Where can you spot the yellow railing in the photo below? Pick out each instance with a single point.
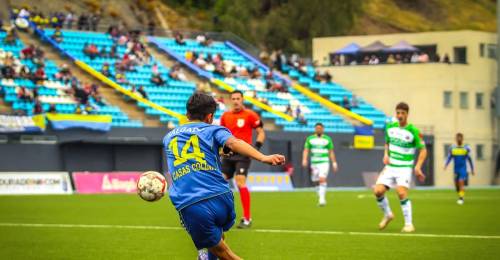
(124, 91)
(329, 104)
(252, 100)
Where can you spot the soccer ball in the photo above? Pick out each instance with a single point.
(151, 186)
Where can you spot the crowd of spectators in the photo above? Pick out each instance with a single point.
(84, 21)
(12, 68)
(392, 58)
(228, 69)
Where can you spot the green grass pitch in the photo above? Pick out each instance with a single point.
(116, 227)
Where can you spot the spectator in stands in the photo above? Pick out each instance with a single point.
(90, 50)
(302, 67)
(113, 51)
(423, 58)
(64, 74)
(103, 53)
(189, 56)
(39, 76)
(345, 103)
(446, 58)
(133, 89)
(120, 77)
(8, 71)
(366, 60)
(83, 22)
(374, 60)
(298, 111)
(105, 70)
(35, 93)
(354, 102)
(300, 116)
(407, 58)
(81, 96)
(157, 79)
(24, 72)
(414, 58)
(94, 21)
(254, 73)
(39, 58)
(179, 38)
(69, 19)
(302, 119)
(11, 37)
(28, 52)
(289, 110)
(201, 38)
(37, 109)
(57, 35)
(176, 73)
(437, 58)
(143, 93)
(52, 109)
(399, 59)
(24, 94)
(391, 59)
(54, 20)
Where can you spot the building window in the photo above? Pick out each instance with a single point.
(480, 152)
(447, 99)
(464, 100)
(460, 55)
(492, 51)
(481, 49)
(479, 100)
(447, 148)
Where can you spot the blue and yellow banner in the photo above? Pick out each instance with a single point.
(92, 122)
(363, 137)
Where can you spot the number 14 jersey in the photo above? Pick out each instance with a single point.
(193, 161)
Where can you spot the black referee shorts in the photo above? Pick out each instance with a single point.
(235, 165)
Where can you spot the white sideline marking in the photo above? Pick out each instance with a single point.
(282, 231)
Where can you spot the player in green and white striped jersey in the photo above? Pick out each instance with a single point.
(320, 146)
(402, 141)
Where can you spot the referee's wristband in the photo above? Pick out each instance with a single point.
(258, 145)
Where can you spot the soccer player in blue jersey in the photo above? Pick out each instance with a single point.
(199, 190)
(460, 154)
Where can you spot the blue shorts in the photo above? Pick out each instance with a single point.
(208, 219)
(461, 176)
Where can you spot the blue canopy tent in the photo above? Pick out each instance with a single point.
(351, 48)
(401, 46)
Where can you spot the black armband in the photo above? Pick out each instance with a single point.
(258, 145)
(226, 150)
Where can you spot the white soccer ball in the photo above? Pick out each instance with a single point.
(151, 186)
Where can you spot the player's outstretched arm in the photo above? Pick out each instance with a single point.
(241, 147)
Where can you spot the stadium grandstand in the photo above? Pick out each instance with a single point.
(358, 103)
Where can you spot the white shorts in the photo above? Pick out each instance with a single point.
(395, 176)
(319, 170)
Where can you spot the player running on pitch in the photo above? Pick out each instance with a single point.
(199, 191)
(320, 146)
(402, 141)
(241, 121)
(460, 153)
